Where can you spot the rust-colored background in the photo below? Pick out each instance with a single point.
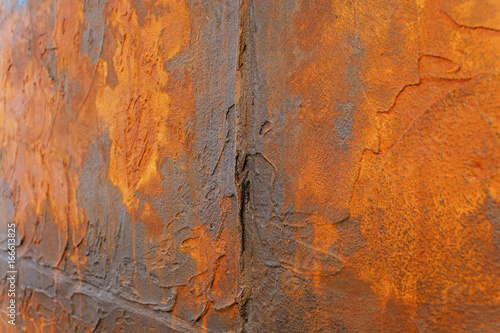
(253, 165)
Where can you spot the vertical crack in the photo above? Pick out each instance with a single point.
(244, 96)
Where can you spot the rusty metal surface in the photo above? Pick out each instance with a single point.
(253, 165)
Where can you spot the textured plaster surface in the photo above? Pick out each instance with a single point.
(251, 165)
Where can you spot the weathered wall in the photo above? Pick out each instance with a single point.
(256, 165)
(118, 149)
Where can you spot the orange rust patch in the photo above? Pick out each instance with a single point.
(137, 111)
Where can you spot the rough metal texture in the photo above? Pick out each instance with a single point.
(253, 165)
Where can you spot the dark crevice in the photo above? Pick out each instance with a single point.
(245, 80)
(243, 183)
